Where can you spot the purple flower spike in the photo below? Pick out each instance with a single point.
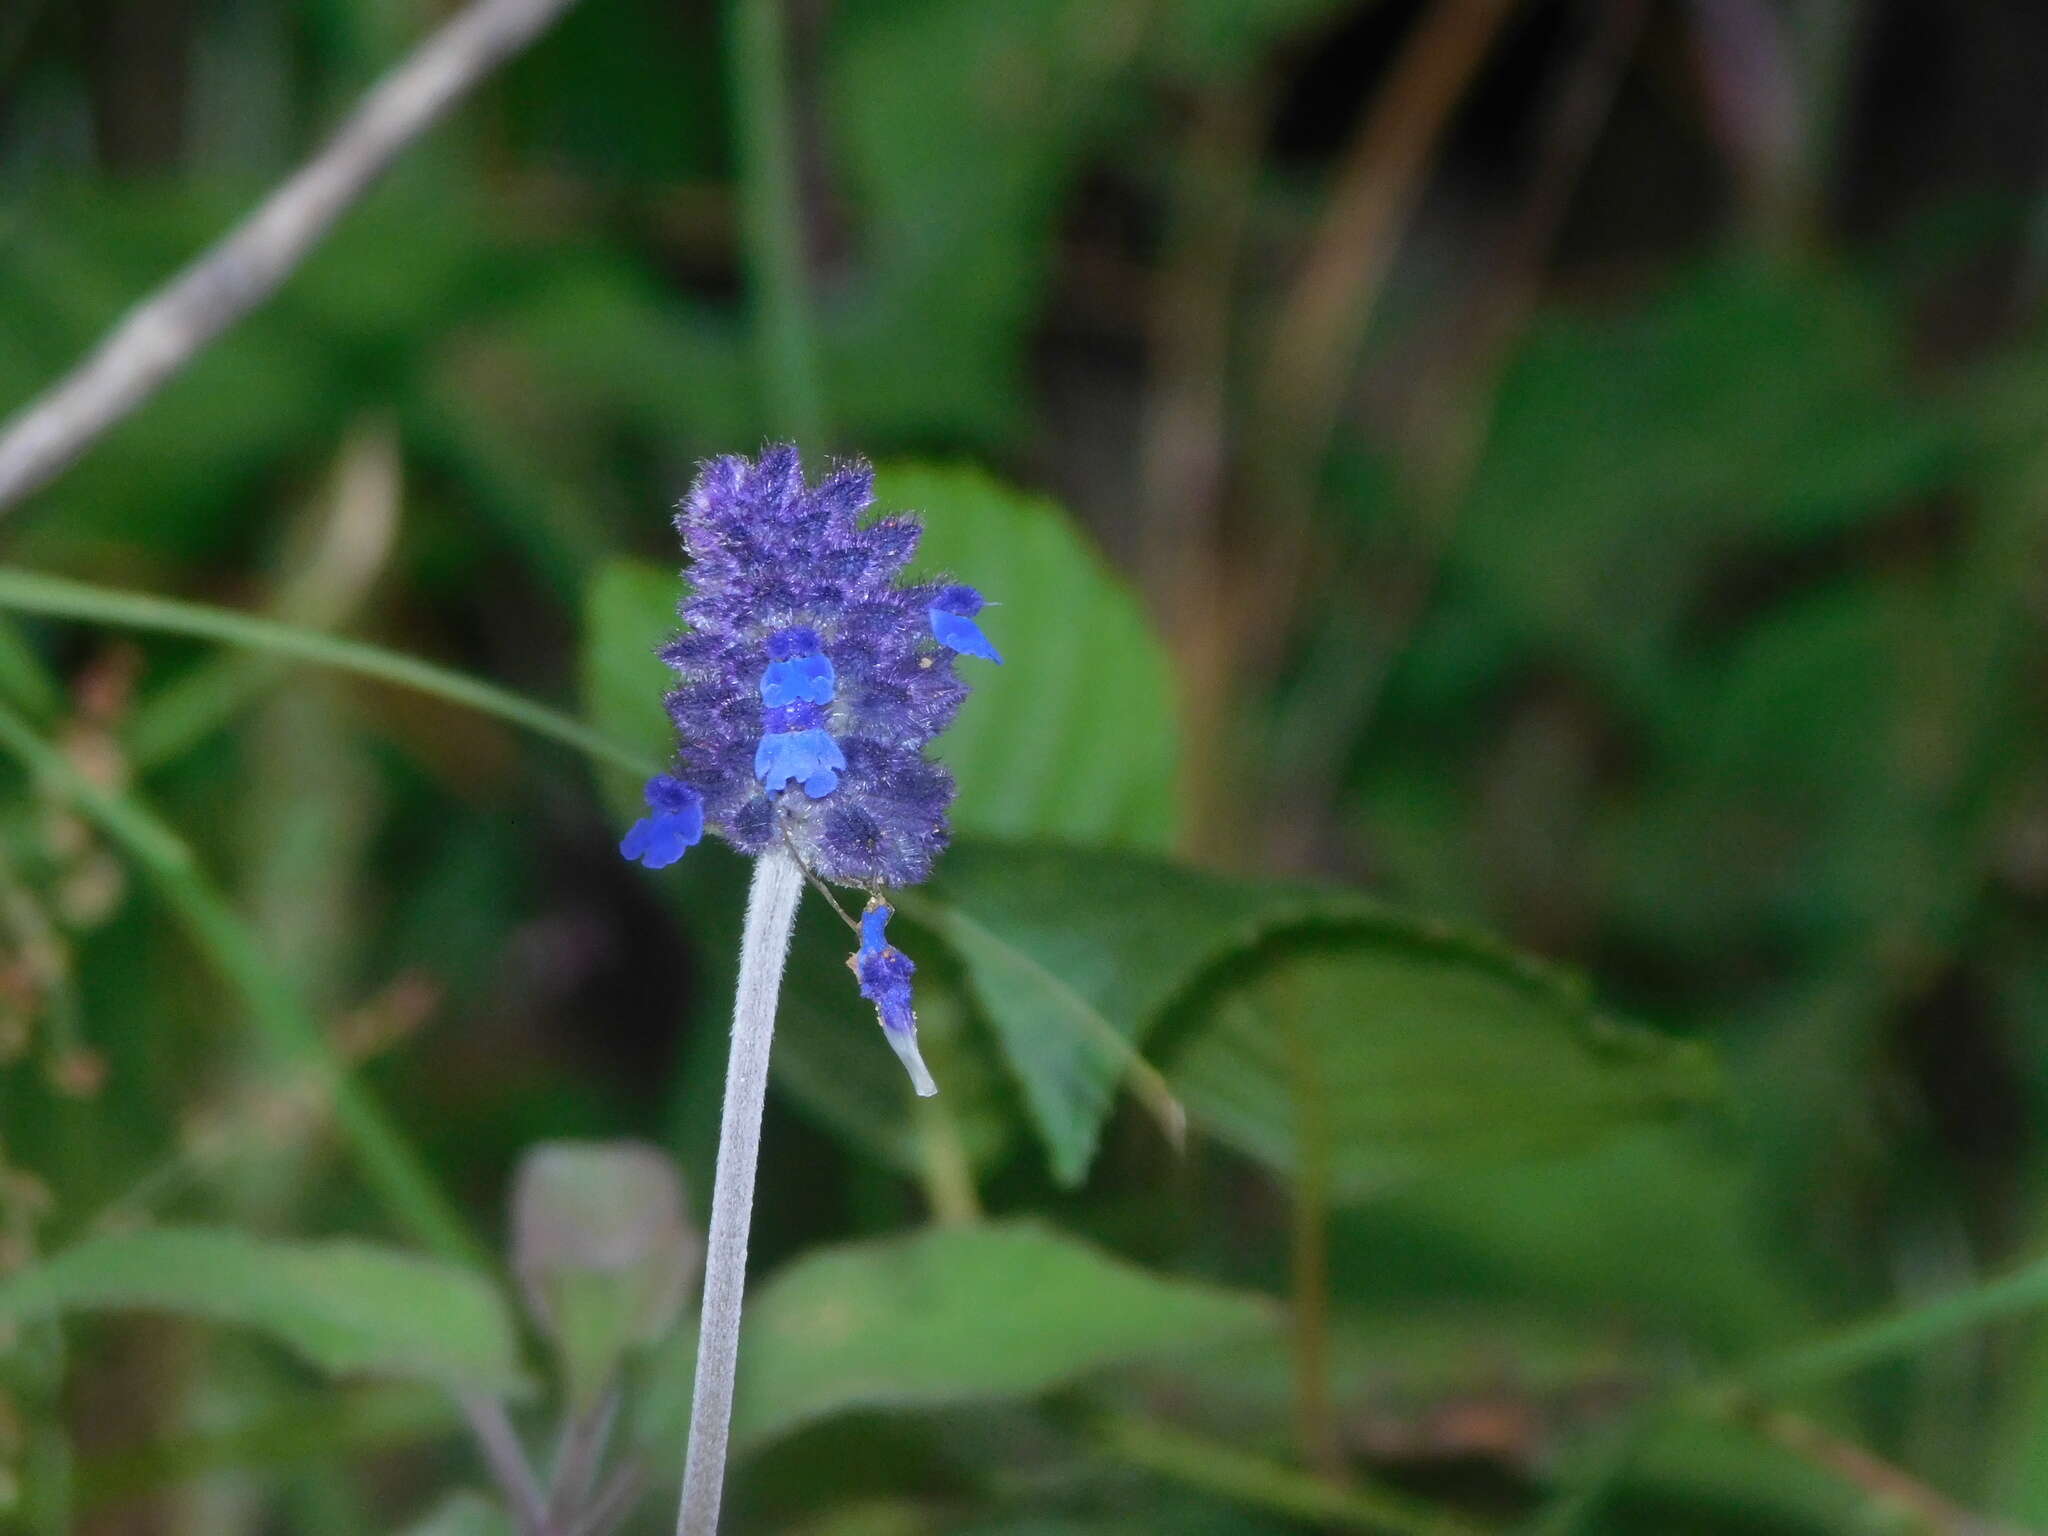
(811, 676)
(952, 620)
(676, 826)
(884, 972)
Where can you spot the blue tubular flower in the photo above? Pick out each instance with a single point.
(811, 678)
(808, 757)
(800, 680)
(952, 619)
(676, 825)
(884, 972)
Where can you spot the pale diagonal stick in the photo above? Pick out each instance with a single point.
(166, 331)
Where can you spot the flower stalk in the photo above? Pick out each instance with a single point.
(764, 948)
(811, 675)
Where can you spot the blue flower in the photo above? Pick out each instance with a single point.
(676, 825)
(811, 676)
(952, 619)
(884, 972)
(800, 680)
(807, 757)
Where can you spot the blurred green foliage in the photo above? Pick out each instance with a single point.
(1668, 612)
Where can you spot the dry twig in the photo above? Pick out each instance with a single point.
(166, 331)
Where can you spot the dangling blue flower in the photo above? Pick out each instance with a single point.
(952, 618)
(884, 972)
(676, 825)
(811, 679)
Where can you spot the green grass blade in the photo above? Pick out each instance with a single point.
(1901, 1332)
(388, 1161)
(32, 592)
(23, 678)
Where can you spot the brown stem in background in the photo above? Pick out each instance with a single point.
(166, 331)
(1890, 1487)
(1183, 452)
(506, 1459)
(1457, 414)
(1314, 347)
(1323, 321)
(1186, 421)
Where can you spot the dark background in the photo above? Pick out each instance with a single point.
(1585, 466)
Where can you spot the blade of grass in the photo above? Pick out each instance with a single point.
(32, 592)
(387, 1160)
(1197, 1461)
(1838, 1353)
(1896, 1333)
(1579, 1505)
(24, 680)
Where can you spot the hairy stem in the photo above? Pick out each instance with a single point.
(771, 918)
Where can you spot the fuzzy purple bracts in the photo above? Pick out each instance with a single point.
(811, 676)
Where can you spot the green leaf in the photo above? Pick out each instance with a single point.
(462, 1513)
(1391, 1054)
(1430, 1047)
(958, 1315)
(346, 1306)
(1075, 736)
(959, 128)
(629, 612)
(1657, 1230)
(1755, 400)
(1216, 40)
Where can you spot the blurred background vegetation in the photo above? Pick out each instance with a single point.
(1483, 494)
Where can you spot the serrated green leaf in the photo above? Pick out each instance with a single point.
(963, 1314)
(1398, 1057)
(348, 1307)
(1433, 1048)
(1075, 736)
